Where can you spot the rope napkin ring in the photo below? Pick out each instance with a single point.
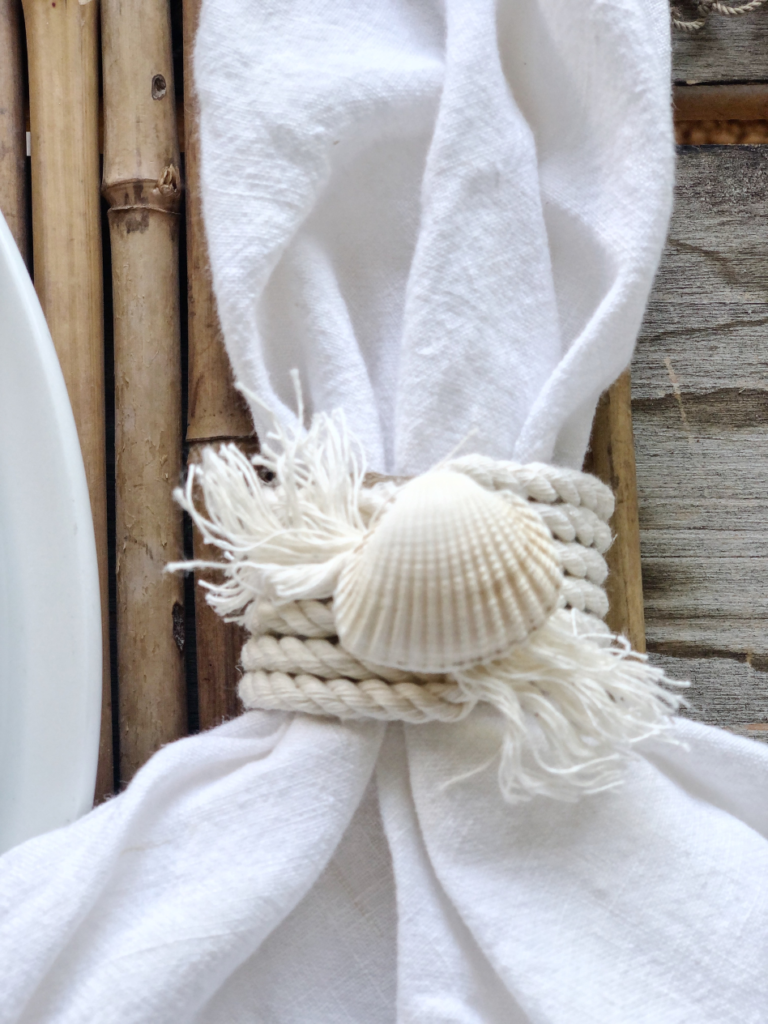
(415, 600)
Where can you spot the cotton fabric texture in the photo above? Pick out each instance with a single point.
(293, 869)
(448, 217)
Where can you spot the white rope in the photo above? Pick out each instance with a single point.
(539, 482)
(293, 640)
(415, 703)
(704, 8)
(316, 657)
(297, 618)
(572, 523)
(585, 596)
(584, 563)
(582, 731)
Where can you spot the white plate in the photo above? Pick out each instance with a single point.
(50, 631)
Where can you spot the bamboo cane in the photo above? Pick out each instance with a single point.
(62, 57)
(13, 200)
(219, 643)
(143, 189)
(613, 460)
(216, 410)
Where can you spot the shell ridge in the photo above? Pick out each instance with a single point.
(450, 575)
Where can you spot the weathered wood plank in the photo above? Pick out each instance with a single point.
(707, 587)
(692, 458)
(716, 251)
(726, 338)
(700, 407)
(726, 50)
(721, 544)
(694, 638)
(723, 691)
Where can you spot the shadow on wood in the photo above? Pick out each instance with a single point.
(611, 457)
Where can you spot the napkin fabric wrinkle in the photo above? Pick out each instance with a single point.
(293, 869)
(447, 214)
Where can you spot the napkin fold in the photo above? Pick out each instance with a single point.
(447, 215)
(292, 869)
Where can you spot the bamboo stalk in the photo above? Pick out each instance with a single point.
(216, 410)
(218, 643)
(13, 199)
(612, 459)
(142, 186)
(62, 58)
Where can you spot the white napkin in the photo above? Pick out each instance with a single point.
(294, 870)
(448, 217)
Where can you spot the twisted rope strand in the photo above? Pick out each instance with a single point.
(584, 596)
(707, 7)
(369, 698)
(539, 482)
(316, 658)
(296, 618)
(730, 10)
(584, 563)
(572, 523)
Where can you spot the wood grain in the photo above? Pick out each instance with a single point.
(219, 643)
(142, 185)
(743, 101)
(62, 58)
(726, 50)
(216, 410)
(724, 691)
(13, 142)
(700, 407)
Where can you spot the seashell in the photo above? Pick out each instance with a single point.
(450, 575)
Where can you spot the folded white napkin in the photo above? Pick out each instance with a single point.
(448, 216)
(298, 870)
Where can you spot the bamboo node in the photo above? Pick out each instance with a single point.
(163, 194)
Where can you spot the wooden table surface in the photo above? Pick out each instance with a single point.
(700, 403)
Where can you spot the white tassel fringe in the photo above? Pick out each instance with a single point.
(284, 542)
(573, 704)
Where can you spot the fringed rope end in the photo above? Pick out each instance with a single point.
(285, 540)
(574, 705)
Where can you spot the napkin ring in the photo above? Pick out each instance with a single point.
(416, 600)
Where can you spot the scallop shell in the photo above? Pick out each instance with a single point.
(451, 575)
